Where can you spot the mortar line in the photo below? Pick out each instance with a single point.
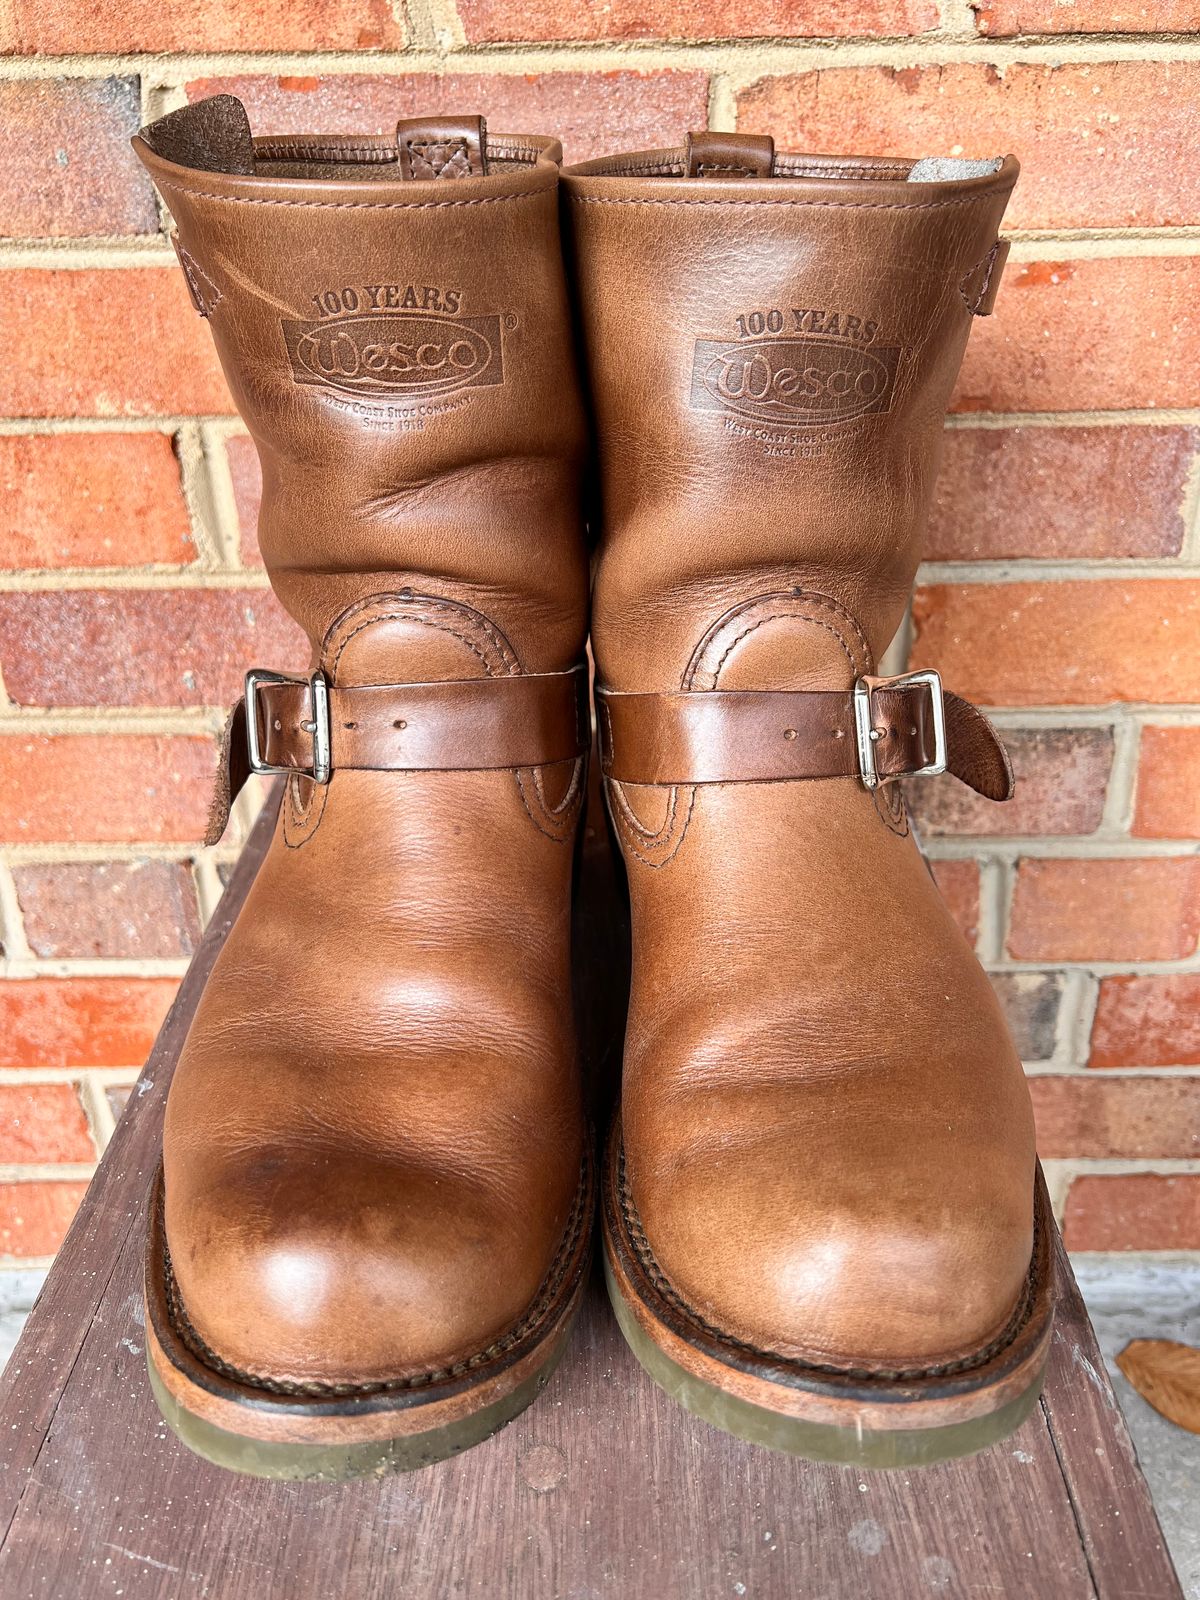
(755, 56)
(13, 941)
(1122, 777)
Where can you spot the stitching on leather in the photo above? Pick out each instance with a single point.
(542, 1303)
(454, 147)
(196, 275)
(646, 1258)
(352, 205)
(564, 815)
(776, 616)
(763, 200)
(990, 259)
(715, 166)
(629, 816)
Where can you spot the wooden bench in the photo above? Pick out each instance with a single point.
(603, 1488)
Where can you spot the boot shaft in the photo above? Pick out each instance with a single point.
(392, 320)
(771, 344)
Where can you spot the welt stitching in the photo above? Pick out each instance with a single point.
(979, 1358)
(351, 205)
(542, 1303)
(836, 205)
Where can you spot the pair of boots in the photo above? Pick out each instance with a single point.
(823, 1226)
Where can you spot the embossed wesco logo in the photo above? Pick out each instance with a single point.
(807, 380)
(381, 354)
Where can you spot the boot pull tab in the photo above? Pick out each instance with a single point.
(442, 147)
(730, 155)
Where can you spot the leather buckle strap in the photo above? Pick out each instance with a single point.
(882, 730)
(310, 728)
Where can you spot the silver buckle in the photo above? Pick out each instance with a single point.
(867, 735)
(319, 727)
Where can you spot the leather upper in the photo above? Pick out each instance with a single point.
(374, 1137)
(827, 1133)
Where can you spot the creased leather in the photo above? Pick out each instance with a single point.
(828, 1138)
(374, 1135)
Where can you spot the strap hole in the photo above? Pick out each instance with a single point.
(349, 724)
(400, 724)
(789, 733)
(277, 725)
(839, 733)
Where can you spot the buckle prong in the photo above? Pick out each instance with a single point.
(868, 735)
(318, 725)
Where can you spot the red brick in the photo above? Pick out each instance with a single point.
(120, 647)
(1133, 1211)
(501, 21)
(34, 1217)
(104, 788)
(43, 1122)
(246, 473)
(1130, 910)
(1071, 643)
(81, 1022)
(1085, 335)
(959, 884)
(1083, 1117)
(1147, 1022)
(131, 910)
(1031, 1002)
(34, 27)
(1062, 774)
(1167, 803)
(1099, 144)
(1004, 17)
(68, 170)
(106, 342)
(1053, 493)
(580, 108)
(91, 500)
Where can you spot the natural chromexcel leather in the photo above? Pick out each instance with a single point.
(827, 1136)
(374, 1138)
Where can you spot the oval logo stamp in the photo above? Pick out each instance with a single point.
(794, 381)
(396, 354)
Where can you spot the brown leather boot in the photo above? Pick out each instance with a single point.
(824, 1226)
(374, 1221)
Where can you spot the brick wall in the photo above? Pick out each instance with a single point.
(1063, 585)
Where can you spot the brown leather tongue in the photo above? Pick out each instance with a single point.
(442, 147)
(730, 155)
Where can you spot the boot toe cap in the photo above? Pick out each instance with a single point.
(848, 1279)
(347, 1274)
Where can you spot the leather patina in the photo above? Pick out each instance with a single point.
(821, 1190)
(375, 1178)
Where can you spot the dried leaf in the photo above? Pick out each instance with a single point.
(1167, 1376)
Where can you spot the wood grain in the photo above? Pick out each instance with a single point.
(603, 1488)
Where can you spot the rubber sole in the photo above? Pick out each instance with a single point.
(376, 1458)
(852, 1419)
(272, 1429)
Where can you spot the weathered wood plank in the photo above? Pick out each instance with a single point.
(1121, 1536)
(41, 1364)
(603, 1488)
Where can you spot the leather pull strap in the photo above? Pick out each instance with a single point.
(442, 147)
(730, 155)
(463, 725)
(762, 736)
